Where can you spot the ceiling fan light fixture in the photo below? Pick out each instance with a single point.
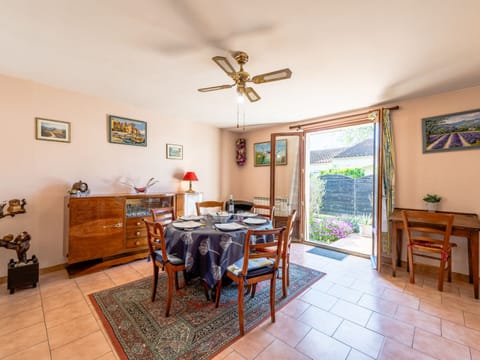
(224, 64)
(272, 76)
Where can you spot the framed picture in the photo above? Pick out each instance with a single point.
(457, 131)
(174, 152)
(127, 131)
(262, 153)
(52, 130)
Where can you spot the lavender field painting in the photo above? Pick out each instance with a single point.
(458, 131)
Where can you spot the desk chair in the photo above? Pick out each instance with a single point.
(428, 235)
(264, 210)
(170, 263)
(208, 207)
(257, 264)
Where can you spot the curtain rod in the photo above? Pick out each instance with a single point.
(332, 117)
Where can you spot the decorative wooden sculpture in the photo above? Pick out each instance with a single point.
(241, 154)
(15, 206)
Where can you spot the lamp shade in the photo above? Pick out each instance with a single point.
(190, 176)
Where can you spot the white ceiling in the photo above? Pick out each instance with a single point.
(344, 54)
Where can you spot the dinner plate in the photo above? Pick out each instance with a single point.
(255, 221)
(246, 214)
(192, 217)
(229, 226)
(187, 225)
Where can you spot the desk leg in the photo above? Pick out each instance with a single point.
(474, 257)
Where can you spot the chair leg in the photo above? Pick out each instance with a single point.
(254, 289)
(217, 293)
(449, 274)
(272, 299)
(441, 275)
(410, 265)
(176, 280)
(240, 308)
(284, 278)
(155, 281)
(169, 291)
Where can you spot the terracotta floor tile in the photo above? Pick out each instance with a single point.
(344, 279)
(295, 308)
(352, 312)
(224, 353)
(20, 320)
(470, 305)
(40, 351)
(357, 355)
(57, 287)
(19, 340)
(461, 334)
(319, 299)
(345, 293)
(108, 356)
(387, 326)
(317, 345)
(66, 313)
(475, 354)
(71, 330)
(401, 298)
(321, 320)
(17, 303)
(253, 343)
(377, 304)
(393, 350)
(233, 356)
(287, 329)
(89, 347)
(442, 311)
(62, 299)
(472, 320)
(439, 347)
(360, 338)
(370, 287)
(418, 319)
(281, 351)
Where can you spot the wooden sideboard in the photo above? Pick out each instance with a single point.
(105, 230)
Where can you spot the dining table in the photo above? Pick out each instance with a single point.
(209, 244)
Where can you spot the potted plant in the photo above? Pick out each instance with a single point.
(365, 225)
(432, 201)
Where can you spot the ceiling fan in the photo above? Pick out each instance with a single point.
(241, 77)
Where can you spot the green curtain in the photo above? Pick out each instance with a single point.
(388, 175)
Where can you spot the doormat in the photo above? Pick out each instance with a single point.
(328, 253)
(195, 329)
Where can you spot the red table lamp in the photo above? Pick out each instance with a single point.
(190, 176)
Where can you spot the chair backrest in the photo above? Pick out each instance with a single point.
(264, 210)
(208, 207)
(156, 238)
(271, 250)
(428, 228)
(163, 215)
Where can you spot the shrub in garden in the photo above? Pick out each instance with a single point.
(329, 228)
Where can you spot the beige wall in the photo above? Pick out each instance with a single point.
(43, 171)
(454, 175)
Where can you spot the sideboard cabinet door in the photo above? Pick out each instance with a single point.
(96, 227)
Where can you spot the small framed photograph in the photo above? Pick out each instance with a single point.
(127, 131)
(457, 131)
(262, 153)
(52, 130)
(174, 152)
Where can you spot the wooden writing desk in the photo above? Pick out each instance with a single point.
(464, 225)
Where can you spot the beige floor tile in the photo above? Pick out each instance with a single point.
(108, 356)
(475, 354)
(223, 354)
(317, 345)
(377, 304)
(40, 351)
(321, 320)
(17, 303)
(234, 356)
(418, 319)
(439, 347)
(287, 329)
(62, 299)
(319, 299)
(295, 308)
(470, 305)
(472, 320)
(461, 334)
(71, 330)
(95, 284)
(374, 287)
(443, 311)
(57, 286)
(387, 326)
(253, 343)
(393, 350)
(89, 347)
(401, 298)
(27, 318)
(357, 355)
(281, 351)
(347, 294)
(66, 313)
(360, 338)
(19, 340)
(352, 312)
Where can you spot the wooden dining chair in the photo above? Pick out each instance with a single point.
(163, 215)
(428, 235)
(285, 260)
(264, 210)
(169, 262)
(208, 207)
(256, 265)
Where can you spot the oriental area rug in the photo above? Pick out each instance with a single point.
(195, 329)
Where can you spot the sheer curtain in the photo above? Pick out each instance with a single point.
(388, 176)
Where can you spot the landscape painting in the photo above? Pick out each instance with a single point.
(262, 153)
(127, 131)
(457, 131)
(52, 130)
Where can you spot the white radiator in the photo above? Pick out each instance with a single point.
(281, 204)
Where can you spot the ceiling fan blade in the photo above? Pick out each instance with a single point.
(251, 94)
(213, 88)
(272, 76)
(224, 64)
